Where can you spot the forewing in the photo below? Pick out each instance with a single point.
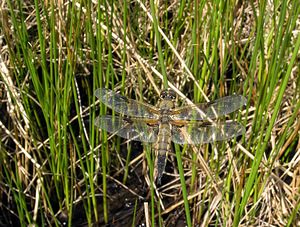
(206, 132)
(127, 128)
(124, 105)
(210, 110)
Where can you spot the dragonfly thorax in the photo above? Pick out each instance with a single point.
(164, 119)
(166, 105)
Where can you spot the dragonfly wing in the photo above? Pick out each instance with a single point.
(125, 105)
(127, 128)
(197, 133)
(210, 110)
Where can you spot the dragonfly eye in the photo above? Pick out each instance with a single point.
(168, 94)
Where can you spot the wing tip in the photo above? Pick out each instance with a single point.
(243, 100)
(101, 91)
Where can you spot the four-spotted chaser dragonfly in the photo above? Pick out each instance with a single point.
(192, 124)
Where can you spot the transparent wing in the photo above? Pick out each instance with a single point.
(197, 133)
(127, 128)
(124, 105)
(212, 110)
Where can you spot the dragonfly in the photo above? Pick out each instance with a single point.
(189, 124)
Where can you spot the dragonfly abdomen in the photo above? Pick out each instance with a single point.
(163, 146)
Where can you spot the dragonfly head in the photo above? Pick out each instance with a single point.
(168, 94)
